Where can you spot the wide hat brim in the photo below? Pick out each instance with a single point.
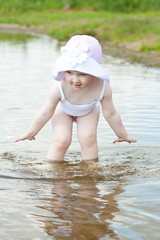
(89, 66)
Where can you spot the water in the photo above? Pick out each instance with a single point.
(117, 197)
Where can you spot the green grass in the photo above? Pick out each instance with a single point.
(116, 28)
(149, 48)
(108, 26)
(98, 5)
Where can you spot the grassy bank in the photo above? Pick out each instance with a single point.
(143, 28)
(138, 32)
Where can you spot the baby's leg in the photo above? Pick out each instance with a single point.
(87, 134)
(62, 135)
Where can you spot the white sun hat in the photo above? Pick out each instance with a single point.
(82, 53)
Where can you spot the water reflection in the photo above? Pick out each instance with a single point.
(80, 208)
(15, 37)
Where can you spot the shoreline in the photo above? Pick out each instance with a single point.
(124, 51)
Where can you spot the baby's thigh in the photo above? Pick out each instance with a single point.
(87, 125)
(62, 125)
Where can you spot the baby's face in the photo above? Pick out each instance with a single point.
(78, 80)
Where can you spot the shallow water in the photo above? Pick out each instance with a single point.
(117, 197)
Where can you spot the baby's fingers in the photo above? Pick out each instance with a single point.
(133, 140)
(31, 138)
(18, 139)
(22, 138)
(119, 140)
(130, 140)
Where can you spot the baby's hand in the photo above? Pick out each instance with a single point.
(128, 139)
(23, 137)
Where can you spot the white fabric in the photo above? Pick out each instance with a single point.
(90, 66)
(75, 54)
(78, 110)
(82, 53)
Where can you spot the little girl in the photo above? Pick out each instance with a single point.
(82, 85)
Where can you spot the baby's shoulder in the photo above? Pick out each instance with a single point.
(107, 91)
(54, 90)
(55, 86)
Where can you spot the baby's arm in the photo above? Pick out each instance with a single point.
(113, 118)
(43, 116)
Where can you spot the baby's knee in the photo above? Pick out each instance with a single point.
(61, 143)
(87, 138)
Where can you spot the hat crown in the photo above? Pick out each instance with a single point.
(82, 53)
(94, 49)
